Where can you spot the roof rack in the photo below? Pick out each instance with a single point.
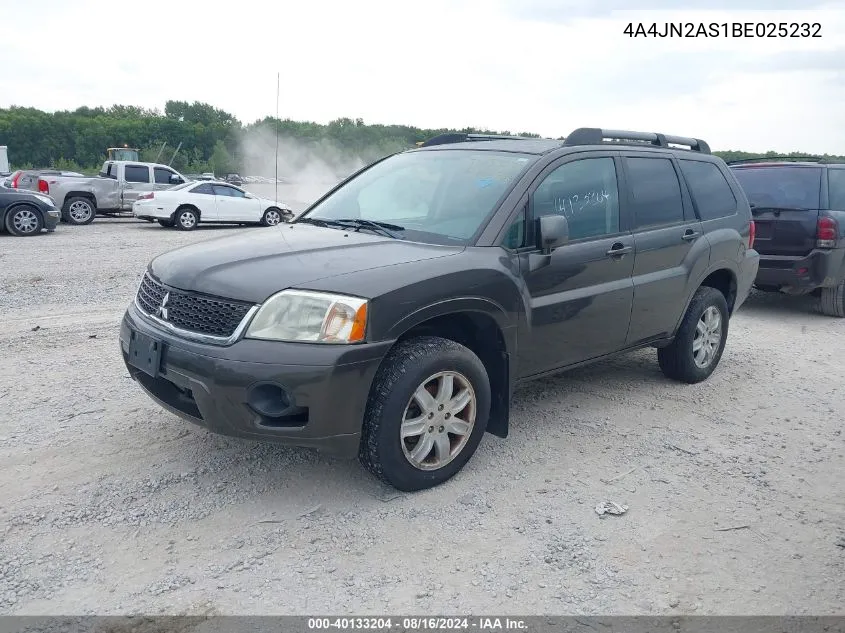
(463, 137)
(597, 136)
(762, 159)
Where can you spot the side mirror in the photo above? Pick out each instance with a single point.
(175, 180)
(552, 233)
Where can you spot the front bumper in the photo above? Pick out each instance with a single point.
(52, 217)
(822, 268)
(306, 395)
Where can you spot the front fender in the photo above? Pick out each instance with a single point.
(451, 306)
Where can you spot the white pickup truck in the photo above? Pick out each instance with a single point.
(113, 191)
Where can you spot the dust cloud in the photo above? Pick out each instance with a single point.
(305, 172)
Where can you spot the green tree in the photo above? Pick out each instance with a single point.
(209, 136)
(221, 161)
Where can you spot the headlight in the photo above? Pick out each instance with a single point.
(316, 317)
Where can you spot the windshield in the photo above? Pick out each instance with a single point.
(440, 196)
(781, 187)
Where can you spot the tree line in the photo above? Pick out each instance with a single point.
(209, 139)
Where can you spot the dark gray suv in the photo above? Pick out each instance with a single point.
(799, 214)
(394, 317)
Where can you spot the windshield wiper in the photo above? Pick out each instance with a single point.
(383, 228)
(764, 207)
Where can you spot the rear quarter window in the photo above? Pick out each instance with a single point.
(781, 187)
(836, 188)
(203, 189)
(709, 188)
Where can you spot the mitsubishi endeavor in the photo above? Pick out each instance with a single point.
(393, 318)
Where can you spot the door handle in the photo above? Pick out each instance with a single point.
(689, 235)
(619, 249)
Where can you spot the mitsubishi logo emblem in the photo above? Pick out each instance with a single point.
(162, 309)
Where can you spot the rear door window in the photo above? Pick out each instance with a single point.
(836, 188)
(710, 191)
(136, 173)
(781, 187)
(655, 192)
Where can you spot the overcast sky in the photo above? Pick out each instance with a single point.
(545, 66)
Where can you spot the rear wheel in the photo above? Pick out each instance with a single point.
(24, 221)
(79, 211)
(832, 300)
(187, 219)
(700, 341)
(426, 415)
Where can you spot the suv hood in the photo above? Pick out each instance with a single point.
(260, 262)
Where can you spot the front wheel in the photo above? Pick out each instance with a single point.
(832, 300)
(272, 217)
(24, 221)
(426, 415)
(700, 341)
(187, 219)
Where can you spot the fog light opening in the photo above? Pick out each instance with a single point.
(269, 400)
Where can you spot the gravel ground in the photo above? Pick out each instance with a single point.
(110, 505)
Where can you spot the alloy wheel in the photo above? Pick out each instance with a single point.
(438, 420)
(80, 211)
(25, 221)
(187, 219)
(708, 337)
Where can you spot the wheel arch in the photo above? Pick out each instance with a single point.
(483, 327)
(721, 276)
(186, 205)
(80, 194)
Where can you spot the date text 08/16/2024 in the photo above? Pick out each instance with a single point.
(417, 624)
(724, 29)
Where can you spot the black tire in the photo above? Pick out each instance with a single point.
(272, 217)
(24, 220)
(403, 370)
(677, 360)
(186, 219)
(832, 300)
(168, 224)
(79, 211)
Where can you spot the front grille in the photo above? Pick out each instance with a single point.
(191, 311)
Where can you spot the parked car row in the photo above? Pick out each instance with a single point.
(164, 195)
(400, 310)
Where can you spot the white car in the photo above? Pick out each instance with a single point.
(185, 206)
